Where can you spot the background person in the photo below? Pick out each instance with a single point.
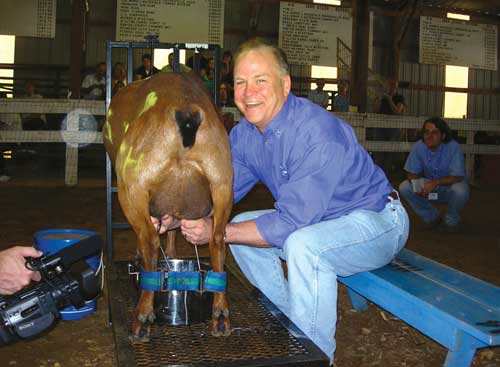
(225, 97)
(199, 57)
(341, 100)
(118, 78)
(32, 121)
(389, 103)
(147, 68)
(94, 85)
(226, 74)
(169, 68)
(440, 160)
(318, 95)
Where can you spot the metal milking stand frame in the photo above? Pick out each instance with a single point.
(152, 43)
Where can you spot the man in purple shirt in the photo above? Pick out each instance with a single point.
(333, 215)
(437, 161)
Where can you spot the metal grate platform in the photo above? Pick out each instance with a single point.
(261, 334)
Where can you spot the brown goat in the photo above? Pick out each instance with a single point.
(171, 156)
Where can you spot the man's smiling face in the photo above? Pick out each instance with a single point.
(260, 91)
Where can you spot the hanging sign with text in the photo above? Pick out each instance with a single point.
(174, 21)
(308, 32)
(457, 42)
(28, 18)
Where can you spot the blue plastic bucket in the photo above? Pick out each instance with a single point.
(50, 241)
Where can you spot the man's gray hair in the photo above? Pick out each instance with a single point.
(262, 43)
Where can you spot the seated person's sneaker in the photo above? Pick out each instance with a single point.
(4, 178)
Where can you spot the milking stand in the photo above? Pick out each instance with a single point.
(261, 334)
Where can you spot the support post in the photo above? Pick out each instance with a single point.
(359, 61)
(462, 352)
(77, 53)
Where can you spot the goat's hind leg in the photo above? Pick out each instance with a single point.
(137, 213)
(220, 309)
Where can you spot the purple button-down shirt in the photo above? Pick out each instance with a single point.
(312, 163)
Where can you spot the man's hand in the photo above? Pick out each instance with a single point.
(197, 232)
(428, 188)
(13, 272)
(167, 223)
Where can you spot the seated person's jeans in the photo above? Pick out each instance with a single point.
(315, 255)
(455, 195)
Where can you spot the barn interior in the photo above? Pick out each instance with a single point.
(56, 175)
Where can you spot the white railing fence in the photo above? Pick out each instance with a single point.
(72, 136)
(70, 133)
(363, 121)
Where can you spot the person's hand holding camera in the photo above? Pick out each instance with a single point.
(13, 272)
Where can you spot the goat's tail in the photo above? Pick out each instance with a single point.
(188, 121)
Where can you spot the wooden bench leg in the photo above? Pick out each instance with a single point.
(358, 302)
(463, 351)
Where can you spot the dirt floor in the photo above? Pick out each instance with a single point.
(36, 199)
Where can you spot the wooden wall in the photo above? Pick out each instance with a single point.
(250, 18)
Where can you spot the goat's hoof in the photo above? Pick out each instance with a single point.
(141, 327)
(220, 323)
(143, 337)
(219, 333)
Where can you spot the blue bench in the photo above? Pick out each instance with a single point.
(458, 311)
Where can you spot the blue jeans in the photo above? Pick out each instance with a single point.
(315, 255)
(455, 195)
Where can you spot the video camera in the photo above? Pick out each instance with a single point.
(67, 280)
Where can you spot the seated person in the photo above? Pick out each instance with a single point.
(226, 73)
(94, 85)
(32, 121)
(202, 61)
(440, 161)
(225, 97)
(169, 68)
(389, 103)
(146, 69)
(318, 95)
(209, 78)
(118, 78)
(341, 100)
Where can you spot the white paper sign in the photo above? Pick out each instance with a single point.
(29, 18)
(308, 32)
(457, 42)
(174, 21)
